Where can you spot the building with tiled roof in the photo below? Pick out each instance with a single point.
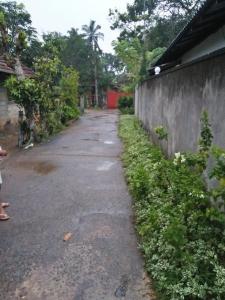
(8, 109)
(8, 70)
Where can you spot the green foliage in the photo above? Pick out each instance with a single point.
(2, 18)
(182, 232)
(142, 16)
(60, 92)
(26, 93)
(77, 54)
(92, 35)
(154, 23)
(69, 94)
(52, 94)
(218, 173)
(154, 55)
(47, 71)
(53, 122)
(126, 105)
(161, 132)
(206, 133)
(110, 67)
(16, 19)
(91, 32)
(130, 53)
(164, 31)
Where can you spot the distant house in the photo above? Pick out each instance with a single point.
(192, 79)
(8, 109)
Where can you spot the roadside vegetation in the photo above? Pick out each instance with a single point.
(179, 215)
(126, 105)
(147, 28)
(65, 69)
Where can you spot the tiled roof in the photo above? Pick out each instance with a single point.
(5, 68)
(27, 71)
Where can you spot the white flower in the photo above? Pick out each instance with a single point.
(179, 158)
(177, 155)
(175, 162)
(183, 159)
(197, 195)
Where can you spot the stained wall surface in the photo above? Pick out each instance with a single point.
(176, 99)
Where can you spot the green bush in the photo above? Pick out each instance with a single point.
(69, 94)
(182, 231)
(53, 122)
(26, 93)
(69, 113)
(51, 96)
(126, 105)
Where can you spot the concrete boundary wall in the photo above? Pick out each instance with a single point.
(8, 110)
(3, 107)
(176, 100)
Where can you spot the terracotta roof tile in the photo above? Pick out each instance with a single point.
(5, 68)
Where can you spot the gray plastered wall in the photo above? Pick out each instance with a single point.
(176, 99)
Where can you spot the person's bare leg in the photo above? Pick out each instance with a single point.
(3, 214)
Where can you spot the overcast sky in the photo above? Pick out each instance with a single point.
(61, 15)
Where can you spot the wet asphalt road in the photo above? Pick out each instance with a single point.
(75, 184)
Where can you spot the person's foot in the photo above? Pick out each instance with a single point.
(4, 217)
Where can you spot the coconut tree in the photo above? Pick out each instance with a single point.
(92, 35)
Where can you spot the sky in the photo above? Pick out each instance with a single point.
(61, 15)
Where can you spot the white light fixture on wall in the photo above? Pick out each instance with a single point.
(157, 70)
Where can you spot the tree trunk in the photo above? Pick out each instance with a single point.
(96, 86)
(18, 69)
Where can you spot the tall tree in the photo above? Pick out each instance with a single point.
(144, 16)
(155, 23)
(92, 34)
(15, 33)
(130, 53)
(18, 20)
(77, 54)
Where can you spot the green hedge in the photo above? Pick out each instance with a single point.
(126, 105)
(182, 233)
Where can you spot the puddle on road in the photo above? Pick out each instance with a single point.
(40, 167)
(108, 142)
(121, 291)
(98, 117)
(90, 140)
(106, 166)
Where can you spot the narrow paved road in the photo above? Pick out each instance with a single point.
(75, 184)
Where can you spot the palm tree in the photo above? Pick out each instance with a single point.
(92, 34)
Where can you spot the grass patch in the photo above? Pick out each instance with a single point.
(182, 233)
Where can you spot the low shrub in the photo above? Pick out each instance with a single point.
(69, 113)
(126, 105)
(53, 122)
(182, 230)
